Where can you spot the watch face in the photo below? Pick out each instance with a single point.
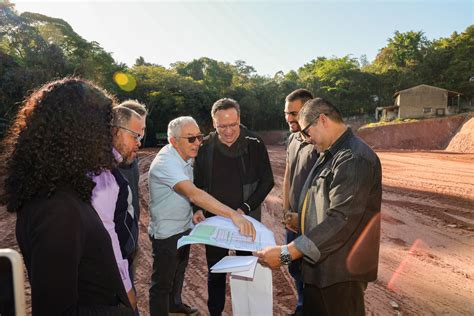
(285, 259)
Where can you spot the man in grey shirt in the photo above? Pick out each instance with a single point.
(300, 158)
(339, 219)
(172, 191)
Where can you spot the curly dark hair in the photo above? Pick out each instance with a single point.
(60, 137)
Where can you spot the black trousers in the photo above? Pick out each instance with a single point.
(169, 265)
(216, 282)
(345, 298)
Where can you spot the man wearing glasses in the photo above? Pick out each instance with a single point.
(123, 138)
(339, 219)
(232, 166)
(300, 158)
(172, 191)
(112, 197)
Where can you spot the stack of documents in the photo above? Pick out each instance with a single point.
(243, 266)
(250, 283)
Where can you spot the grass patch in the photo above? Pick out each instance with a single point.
(383, 123)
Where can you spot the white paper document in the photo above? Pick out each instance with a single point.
(243, 266)
(221, 232)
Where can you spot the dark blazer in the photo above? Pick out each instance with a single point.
(69, 258)
(341, 221)
(254, 168)
(301, 157)
(132, 174)
(125, 218)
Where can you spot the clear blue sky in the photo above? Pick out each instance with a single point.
(269, 35)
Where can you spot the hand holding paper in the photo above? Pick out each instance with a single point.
(269, 257)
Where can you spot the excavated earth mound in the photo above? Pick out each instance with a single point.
(463, 141)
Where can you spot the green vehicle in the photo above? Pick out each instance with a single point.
(161, 139)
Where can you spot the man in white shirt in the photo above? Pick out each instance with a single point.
(171, 193)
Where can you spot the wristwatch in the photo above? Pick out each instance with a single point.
(285, 257)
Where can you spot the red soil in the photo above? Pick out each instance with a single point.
(426, 247)
(427, 238)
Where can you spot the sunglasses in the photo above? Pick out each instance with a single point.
(135, 135)
(192, 139)
(304, 131)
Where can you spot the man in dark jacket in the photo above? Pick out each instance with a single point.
(339, 219)
(121, 219)
(300, 158)
(127, 226)
(233, 166)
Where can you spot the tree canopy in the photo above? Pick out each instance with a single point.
(35, 49)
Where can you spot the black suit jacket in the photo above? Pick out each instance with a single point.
(69, 258)
(341, 224)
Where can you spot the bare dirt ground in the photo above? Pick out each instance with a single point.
(426, 259)
(427, 238)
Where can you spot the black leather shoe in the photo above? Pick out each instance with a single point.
(184, 309)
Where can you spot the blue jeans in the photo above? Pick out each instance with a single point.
(295, 271)
(169, 265)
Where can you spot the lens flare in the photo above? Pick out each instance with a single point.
(125, 81)
(359, 261)
(416, 244)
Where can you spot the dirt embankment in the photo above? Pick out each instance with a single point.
(429, 134)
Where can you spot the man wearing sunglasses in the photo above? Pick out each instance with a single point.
(300, 157)
(233, 166)
(172, 191)
(339, 219)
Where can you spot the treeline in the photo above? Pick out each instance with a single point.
(35, 49)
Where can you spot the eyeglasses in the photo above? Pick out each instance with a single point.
(192, 139)
(304, 131)
(135, 135)
(292, 113)
(223, 127)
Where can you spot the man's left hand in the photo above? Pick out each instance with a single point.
(198, 217)
(269, 257)
(291, 221)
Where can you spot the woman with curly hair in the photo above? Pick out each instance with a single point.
(59, 140)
